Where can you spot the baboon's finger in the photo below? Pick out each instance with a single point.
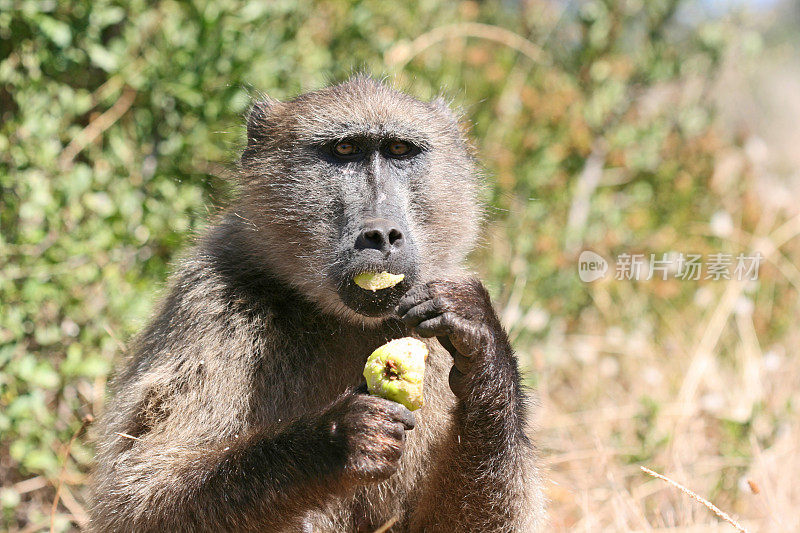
(419, 313)
(412, 298)
(439, 325)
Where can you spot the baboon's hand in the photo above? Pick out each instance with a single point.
(460, 315)
(368, 433)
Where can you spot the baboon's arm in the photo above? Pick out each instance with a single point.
(170, 483)
(179, 450)
(484, 478)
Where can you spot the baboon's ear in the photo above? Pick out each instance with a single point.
(258, 120)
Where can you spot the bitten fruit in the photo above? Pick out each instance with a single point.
(396, 371)
(373, 281)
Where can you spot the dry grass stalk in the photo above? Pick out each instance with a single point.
(400, 54)
(96, 128)
(710, 506)
(385, 527)
(88, 419)
(125, 435)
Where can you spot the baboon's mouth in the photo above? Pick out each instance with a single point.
(378, 301)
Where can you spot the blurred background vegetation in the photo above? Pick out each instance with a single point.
(620, 126)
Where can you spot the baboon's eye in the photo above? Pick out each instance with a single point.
(398, 148)
(345, 149)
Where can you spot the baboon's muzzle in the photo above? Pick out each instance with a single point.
(381, 245)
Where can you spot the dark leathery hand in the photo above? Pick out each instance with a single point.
(460, 315)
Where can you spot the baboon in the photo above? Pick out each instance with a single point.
(241, 407)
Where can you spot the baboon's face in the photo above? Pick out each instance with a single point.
(358, 178)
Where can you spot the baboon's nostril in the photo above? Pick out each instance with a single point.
(395, 236)
(374, 237)
(380, 234)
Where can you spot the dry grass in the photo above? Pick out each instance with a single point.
(710, 403)
(743, 457)
(708, 505)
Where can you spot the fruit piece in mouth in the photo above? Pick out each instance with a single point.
(374, 281)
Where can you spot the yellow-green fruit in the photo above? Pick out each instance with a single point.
(373, 281)
(396, 371)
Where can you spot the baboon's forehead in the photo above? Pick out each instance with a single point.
(365, 107)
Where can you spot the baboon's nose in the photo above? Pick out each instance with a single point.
(380, 234)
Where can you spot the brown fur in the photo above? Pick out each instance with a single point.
(240, 395)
